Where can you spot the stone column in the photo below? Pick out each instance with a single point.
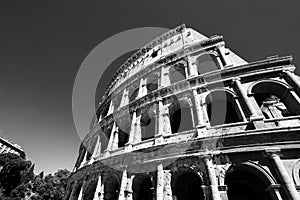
(129, 190)
(138, 130)
(96, 151)
(167, 185)
(84, 159)
(97, 194)
(282, 174)
(123, 185)
(125, 98)
(80, 196)
(132, 131)
(111, 138)
(164, 126)
(164, 78)
(250, 106)
(143, 88)
(160, 182)
(192, 68)
(116, 139)
(110, 109)
(222, 51)
(199, 111)
(73, 192)
(215, 194)
(293, 80)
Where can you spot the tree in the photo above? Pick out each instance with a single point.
(15, 174)
(52, 187)
(17, 181)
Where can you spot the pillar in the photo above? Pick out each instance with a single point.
(123, 185)
(96, 151)
(215, 194)
(116, 139)
(138, 131)
(160, 182)
(287, 183)
(164, 126)
(129, 191)
(110, 109)
(125, 98)
(143, 88)
(80, 196)
(164, 78)
(293, 80)
(84, 159)
(132, 131)
(167, 185)
(97, 194)
(199, 111)
(192, 68)
(222, 51)
(250, 106)
(74, 191)
(111, 138)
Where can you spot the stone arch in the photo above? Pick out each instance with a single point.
(89, 189)
(207, 62)
(117, 99)
(222, 107)
(152, 82)
(177, 73)
(186, 184)
(248, 181)
(133, 92)
(104, 136)
(104, 111)
(142, 187)
(148, 122)
(111, 187)
(181, 115)
(193, 165)
(275, 98)
(77, 188)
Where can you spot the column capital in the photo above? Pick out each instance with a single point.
(207, 156)
(159, 99)
(236, 79)
(271, 152)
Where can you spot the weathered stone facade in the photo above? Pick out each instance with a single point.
(186, 118)
(8, 147)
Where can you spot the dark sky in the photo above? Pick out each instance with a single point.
(43, 43)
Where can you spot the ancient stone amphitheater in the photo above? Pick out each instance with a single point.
(185, 118)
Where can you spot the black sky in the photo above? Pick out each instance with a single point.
(43, 43)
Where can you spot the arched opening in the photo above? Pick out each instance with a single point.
(89, 191)
(82, 152)
(133, 93)
(142, 188)
(188, 187)
(117, 100)
(152, 83)
(104, 137)
(111, 188)
(177, 73)
(206, 63)
(247, 185)
(222, 108)
(148, 123)
(77, 190)
(124, 130)
(104, 111)
(180, 116)
(275, 100)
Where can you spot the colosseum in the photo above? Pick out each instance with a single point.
(185, 118)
